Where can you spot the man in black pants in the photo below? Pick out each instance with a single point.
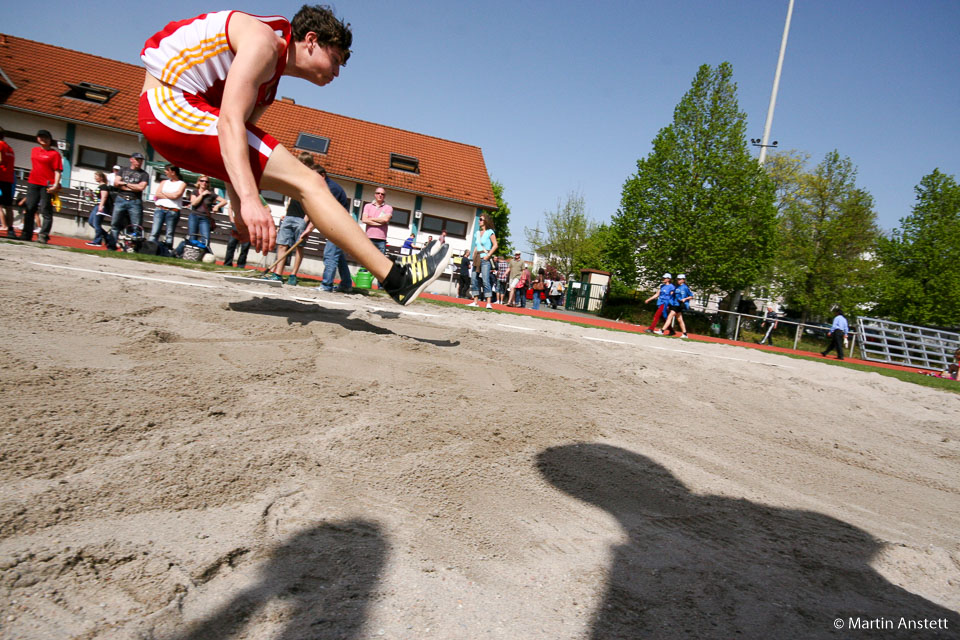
(838, 331)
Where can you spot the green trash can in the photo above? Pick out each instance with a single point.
(363, 279)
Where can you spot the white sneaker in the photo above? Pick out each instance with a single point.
(658, 332)
(472, 304)
(683, 335)
(489, 306)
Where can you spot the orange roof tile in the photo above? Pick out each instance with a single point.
(359, 150)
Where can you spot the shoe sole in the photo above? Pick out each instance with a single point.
(441, 267)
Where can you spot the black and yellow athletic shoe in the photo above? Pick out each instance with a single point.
(427, 249)
(416, 275)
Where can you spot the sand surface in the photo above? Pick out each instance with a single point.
(217, 461)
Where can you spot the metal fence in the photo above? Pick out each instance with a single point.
(894, 342)
(801, 327)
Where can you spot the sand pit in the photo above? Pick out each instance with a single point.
(186, 459)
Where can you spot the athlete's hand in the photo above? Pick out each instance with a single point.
(256, 225)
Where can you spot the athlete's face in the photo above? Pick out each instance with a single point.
(323, 62)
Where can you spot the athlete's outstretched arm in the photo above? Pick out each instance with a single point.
(257, 49)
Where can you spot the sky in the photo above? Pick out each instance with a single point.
(565, 97)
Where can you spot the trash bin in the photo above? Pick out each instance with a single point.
(363, 279)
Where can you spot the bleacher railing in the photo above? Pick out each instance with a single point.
(911, 345)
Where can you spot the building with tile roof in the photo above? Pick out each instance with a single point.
(90, 103)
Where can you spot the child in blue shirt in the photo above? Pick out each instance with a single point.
(679, 302)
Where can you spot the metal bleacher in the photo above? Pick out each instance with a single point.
(898, 343)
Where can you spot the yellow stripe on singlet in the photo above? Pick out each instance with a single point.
(192, 56)
(180, 116)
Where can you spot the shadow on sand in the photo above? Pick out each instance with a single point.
(303, 313)
(702, 566)
(324, 576)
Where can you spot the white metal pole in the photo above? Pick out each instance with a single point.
(776, 85)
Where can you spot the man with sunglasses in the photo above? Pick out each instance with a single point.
(208, 81)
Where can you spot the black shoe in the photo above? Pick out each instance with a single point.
(419, 274)
(428, 249)
(823, 353)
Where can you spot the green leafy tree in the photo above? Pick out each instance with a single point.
(699, 202)
(919, 273)
(501, 220)
(827, 233)
(567, 242)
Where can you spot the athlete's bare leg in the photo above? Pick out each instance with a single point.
(287, 175)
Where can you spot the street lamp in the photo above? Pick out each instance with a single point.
(757, 142)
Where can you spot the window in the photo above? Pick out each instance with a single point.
(274, 197)
(100, 158)
(308, 142)
(88, 92)
(404, 163)
(434, 224)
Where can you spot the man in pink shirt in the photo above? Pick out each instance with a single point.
(43, 184)
(6, 187)
(376, 215)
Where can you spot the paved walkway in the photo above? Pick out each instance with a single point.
(566, 316)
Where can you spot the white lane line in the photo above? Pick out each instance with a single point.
(605, 340)
(257, 292)
(126, 275)
(513, 326)
(409, 313)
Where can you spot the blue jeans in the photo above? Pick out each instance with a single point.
(122, 209)
(99, 233)
(335, 259)
(381, 245)
(165, 218)
(536, 299)
(199, 225)
(485, 281)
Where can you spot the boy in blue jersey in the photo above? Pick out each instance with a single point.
(679, 302)
(663, 296)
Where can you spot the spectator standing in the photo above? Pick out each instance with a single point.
(679, 302)
(556, 293)
(114, 177)
(516, 270)
(44, 183)
(334, 259)
(443, 237)
(770, 318)
(293, 226)
(539, 286)
(376, 215)
(128, 196)
(485, 241)
(408, 243)
(233, 242)
(203, 204)
(663, 296)
(838, 333)
(522, 285)
(503, 278)
(166, 215)
(7, 177)
(104, 203)
(463, 274)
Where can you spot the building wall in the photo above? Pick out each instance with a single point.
(125, 144)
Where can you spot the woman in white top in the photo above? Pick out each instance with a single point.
(167, 213)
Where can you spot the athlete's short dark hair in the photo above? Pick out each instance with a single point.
(330, 30)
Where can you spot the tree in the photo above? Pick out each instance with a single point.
(919, 273)
(566, 244)
(826, 235)
(698, 203)
(501, 220)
